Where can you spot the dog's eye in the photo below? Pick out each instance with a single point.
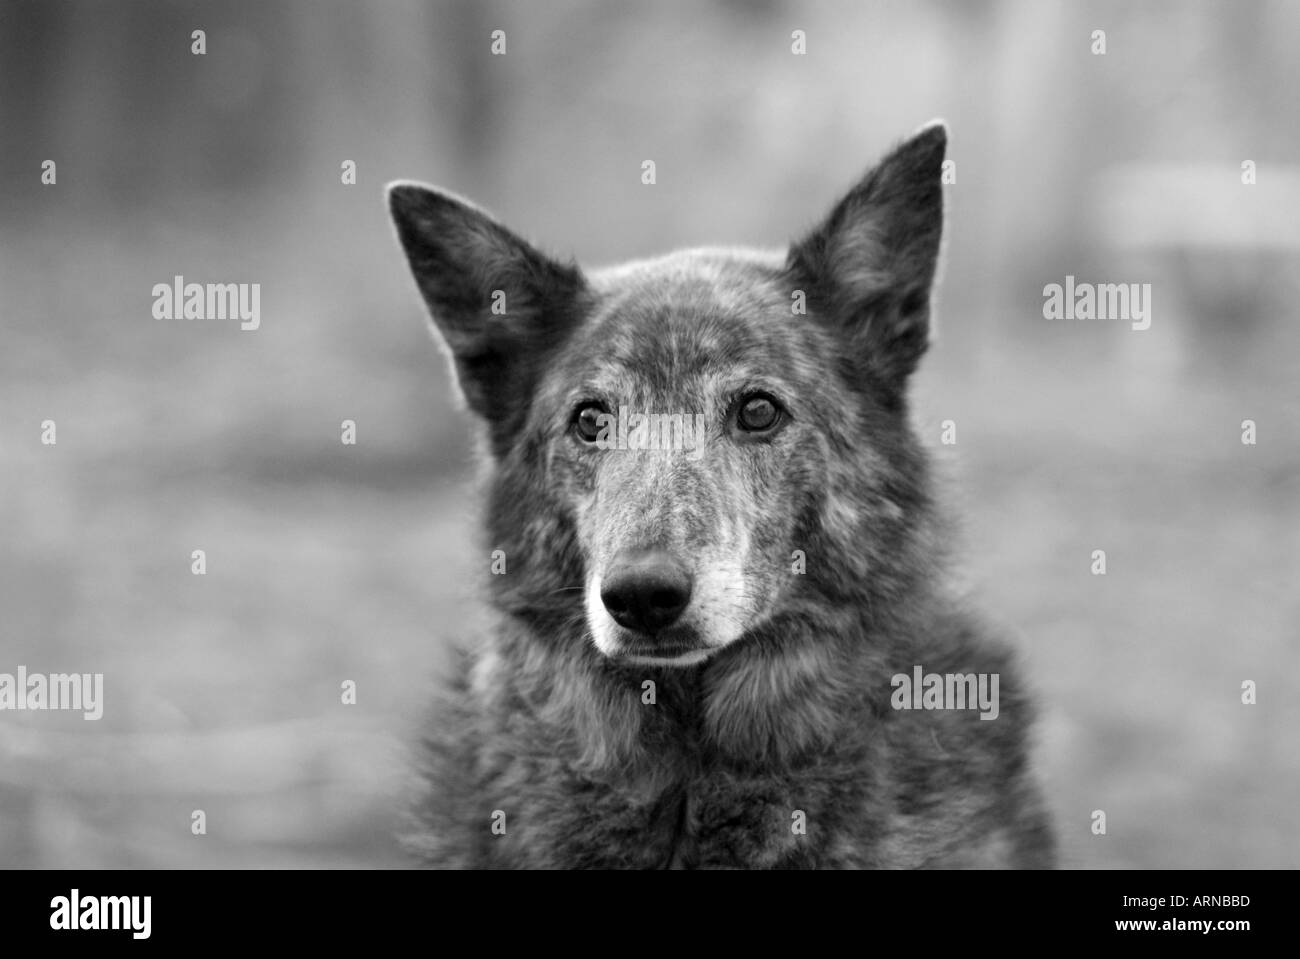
(758, 413)
(586, 421)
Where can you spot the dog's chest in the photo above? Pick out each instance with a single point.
(722, 819)
(680, 802)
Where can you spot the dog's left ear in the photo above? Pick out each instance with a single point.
(501, 306)
(871, 263)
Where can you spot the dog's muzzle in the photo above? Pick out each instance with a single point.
(646, 591)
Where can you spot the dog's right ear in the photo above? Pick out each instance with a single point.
(499, 304)
(872, 261)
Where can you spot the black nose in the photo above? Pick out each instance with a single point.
(646, 591)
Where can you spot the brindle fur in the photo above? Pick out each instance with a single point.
(793, 713)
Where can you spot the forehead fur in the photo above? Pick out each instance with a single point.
(701, 284)
(691, 320)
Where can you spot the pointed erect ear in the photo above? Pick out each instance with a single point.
(500, 305)
(871, 263)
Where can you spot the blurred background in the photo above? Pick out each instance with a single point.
(328, 562)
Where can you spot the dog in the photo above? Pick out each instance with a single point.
(734, 648)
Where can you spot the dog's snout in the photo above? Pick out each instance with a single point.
(646, 591)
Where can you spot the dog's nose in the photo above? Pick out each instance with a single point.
(646, 591)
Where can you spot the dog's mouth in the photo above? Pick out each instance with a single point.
(679, 646)
(658, 657)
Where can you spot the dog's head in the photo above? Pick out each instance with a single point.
(674, 439)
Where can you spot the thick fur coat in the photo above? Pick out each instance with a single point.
(760, 729)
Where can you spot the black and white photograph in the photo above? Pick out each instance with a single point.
(572, 435)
